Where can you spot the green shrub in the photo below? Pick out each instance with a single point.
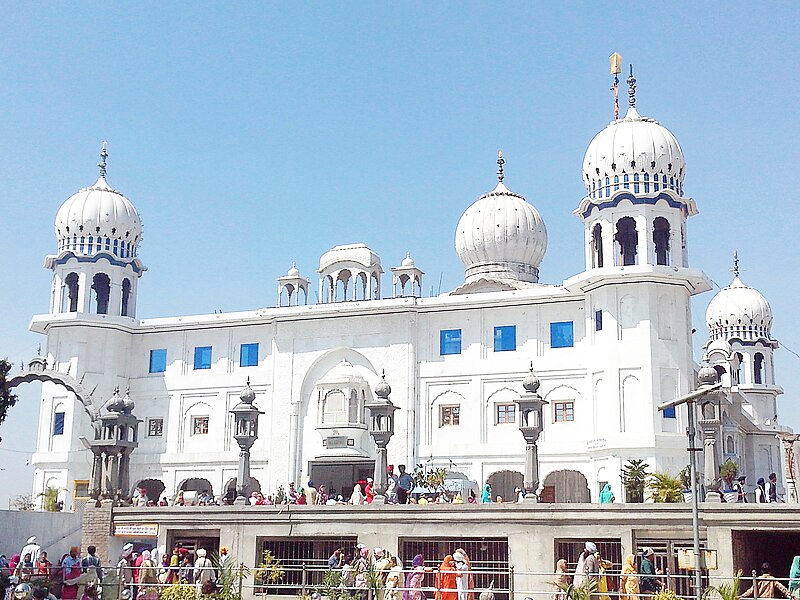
(179, 591)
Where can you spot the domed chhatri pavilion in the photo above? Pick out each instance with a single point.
(608, 346)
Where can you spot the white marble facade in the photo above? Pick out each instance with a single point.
(609, 345)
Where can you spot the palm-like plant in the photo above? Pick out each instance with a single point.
(634, 478)
(7, 399)
(580, 592)
(663, 487)
(724, 591)
(727, 472)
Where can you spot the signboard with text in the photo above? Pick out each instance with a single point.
(137, 530)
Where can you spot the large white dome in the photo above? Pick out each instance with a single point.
(738, 311)
(633, 150)
(98, 218)
(501, 236)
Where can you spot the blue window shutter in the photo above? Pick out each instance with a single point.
(505, 338)
(669, 413)
(158, 360)
(450, 341)
(561, 335)
(58, 423)
(202, 357)
(248, 355)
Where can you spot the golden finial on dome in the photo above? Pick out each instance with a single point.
(500, 163)
(616, 62)
(103, 159)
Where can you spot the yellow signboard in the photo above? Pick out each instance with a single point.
(708, 559)
(137, 530)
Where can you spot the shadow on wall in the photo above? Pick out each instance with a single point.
(55, 531)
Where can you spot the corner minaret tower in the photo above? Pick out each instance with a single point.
(96, 269)
(634, 212)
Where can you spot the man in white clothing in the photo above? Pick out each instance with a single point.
(31, 548)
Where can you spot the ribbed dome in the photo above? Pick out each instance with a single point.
(501, 236)
(343, 374)
(636, 150)
(738, 311)
(98, 218)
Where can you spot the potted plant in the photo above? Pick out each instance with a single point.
(663, 487)
(634, 479)
(727, 473)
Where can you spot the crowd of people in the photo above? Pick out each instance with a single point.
(452, 580)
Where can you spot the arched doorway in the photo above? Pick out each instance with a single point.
(504, 483)
(154, 488)
(566, 486)
(253, 485)
(196, 484)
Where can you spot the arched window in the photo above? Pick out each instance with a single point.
(758, 368)
(720, 371)
(608, 187)
(352, 413)
(655, 183)
(627, 240)
(646, 182)
(597, 246)
(738, 373)
(729, 447)
(635, 183)
(333, 407)
(71, 296)
(101, 285)
(616, 182)
(91, 244)
(625, 181)
(661, 240)
(126, 296)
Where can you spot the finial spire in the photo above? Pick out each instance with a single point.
(103, 160)
(616, 60)
(631, 89)
(500, 163)
(735, 268)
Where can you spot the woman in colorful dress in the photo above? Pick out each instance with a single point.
(629, 578)
(446, 587)
(414, 579)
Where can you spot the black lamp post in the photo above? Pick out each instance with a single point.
(531, 424)
(245, 416)
(381, 428)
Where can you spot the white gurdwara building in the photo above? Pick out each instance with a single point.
(609, 345)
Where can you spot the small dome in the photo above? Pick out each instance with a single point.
(707, 375)
(103, 214)
(501, 236)
(408, 261)
(343, 374)
(632, 146)
(294, 271)
(738, 311)
(247, 395)
(383, 389)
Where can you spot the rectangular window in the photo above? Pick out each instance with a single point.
(155, 427)
(248, 355)
(448, 415)
(450, 341)
(199, 425)
(669, 412)
(598, 320)
(505, 338)
(81, 487)
(202, 357)
(564, 411)
(505, 413)
(58, 423)
(561, 335)
(158, 360)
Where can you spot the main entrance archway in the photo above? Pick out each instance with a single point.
(566, 486)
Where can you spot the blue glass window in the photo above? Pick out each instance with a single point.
(505, 338)
(158, 360)
(561, 335)
(598, 320)
(248, 356)
(450, 341)
(58, 423)
(669, 413)
(202, 357)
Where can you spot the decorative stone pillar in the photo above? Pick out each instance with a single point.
(531, 424)
(381, 428)
(245, 416)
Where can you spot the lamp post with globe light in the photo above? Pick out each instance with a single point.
(707, 378)
(381, 428)
(531, 424)
(245, 416)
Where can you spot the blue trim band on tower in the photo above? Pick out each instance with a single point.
(134, 263)
(619, 197)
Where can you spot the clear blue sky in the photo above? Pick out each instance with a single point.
(252, 135)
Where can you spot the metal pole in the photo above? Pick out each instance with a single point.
(698, 575)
